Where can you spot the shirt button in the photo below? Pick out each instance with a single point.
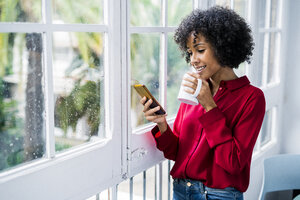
(188, 184)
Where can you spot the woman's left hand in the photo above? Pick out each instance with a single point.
(205, 97)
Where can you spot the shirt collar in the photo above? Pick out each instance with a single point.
(236, 83)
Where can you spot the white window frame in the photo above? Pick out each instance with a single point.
(87, 169)
(273, 91)
(69, 175)
(140, 140)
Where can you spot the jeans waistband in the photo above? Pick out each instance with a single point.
(191, 182)
(203, 188)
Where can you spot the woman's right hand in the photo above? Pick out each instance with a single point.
(150, 115)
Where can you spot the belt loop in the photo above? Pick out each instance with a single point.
(201, 187)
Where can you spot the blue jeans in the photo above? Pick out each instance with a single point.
(186, 189)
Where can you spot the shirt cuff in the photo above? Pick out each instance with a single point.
(164, 139)
(157, 135)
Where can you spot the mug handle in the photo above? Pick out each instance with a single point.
(196, 93)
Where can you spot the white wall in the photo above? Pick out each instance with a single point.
(291, 109)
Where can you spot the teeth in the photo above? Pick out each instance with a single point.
(199, 69)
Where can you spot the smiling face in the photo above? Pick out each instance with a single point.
(202, 57)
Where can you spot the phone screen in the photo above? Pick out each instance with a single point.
(143, 91)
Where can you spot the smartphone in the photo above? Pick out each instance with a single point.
(143, 91)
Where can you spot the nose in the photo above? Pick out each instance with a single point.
(194, 59)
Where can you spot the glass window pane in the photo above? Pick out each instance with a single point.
(256, 146)
(272, 64)
(20, 10)
(145, 51)
(240, 6)
(177, 10)
(78, 88)
(145, 13)
(22, 123)
(78, 12)
(223, 3)
(263, 48)
(266, 129)
(259, 43)
(262, 14)
(241, 71)
(177, 66)
(274, 13)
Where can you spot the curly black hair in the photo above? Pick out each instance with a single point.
(228, 34)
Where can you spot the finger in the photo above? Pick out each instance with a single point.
(189, 84)
(189, 90)
(205, 83)
(147, 104)
(154, 118)
(196, 75)
(143, 100)
(192, 74)
(152, 111)
(190, 78)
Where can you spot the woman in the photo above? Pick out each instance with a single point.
(212, 143)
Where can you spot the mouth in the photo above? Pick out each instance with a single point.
(199, 69)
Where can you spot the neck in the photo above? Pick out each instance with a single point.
(225, 74)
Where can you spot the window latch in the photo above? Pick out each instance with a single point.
(138, 154)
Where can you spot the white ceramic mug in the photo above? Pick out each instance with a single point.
(188, 98)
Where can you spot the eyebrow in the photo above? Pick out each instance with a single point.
(200, 43)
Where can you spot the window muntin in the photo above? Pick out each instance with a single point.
(22, 129)
(78, 85)
(78, 12)
(21, 11)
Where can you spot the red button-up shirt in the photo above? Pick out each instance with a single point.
(216, 147)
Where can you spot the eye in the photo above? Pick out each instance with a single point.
(201, 50)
